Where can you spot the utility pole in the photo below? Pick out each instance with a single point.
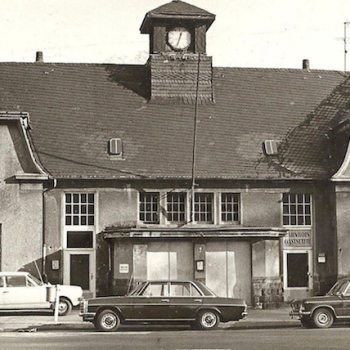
(345, 48)
(195, 143)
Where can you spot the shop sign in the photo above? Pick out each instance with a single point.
(123, 268)
(298, 239)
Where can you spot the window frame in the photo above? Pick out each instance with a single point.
(79, 228)
(238, 213)
(179, 203)
(304, 215)
(198, 213)
(144, 212)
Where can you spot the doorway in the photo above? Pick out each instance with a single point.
(79, 270)
(297, 271)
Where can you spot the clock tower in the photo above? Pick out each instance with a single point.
(178, 61)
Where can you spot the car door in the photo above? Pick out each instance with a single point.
(345, 310)
(185, 300)
(2, 289)
(21, 294)
(153, 302)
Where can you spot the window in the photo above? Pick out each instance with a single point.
(16, 281)
(156, 290)
(149, 207)
(296, 209)
(178, 289)
(80, 239)
(176, 207)
(230, 207)
(203, 207)
(80, 209)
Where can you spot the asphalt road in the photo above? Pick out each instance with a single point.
(234, 339)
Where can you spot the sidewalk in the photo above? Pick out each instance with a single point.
(257, 318)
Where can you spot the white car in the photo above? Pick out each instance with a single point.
(20, 291)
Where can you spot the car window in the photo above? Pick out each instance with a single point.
(183, 289)
(16, 281)
(156, 290)
(1, 282)
(31, 283)
(347, 290)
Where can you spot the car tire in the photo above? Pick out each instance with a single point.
(323, 318)
(208, 319)
(107, 321)
(64, 307)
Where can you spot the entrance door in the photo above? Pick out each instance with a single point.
(79, 271)
(297, 273)
(228, 269)
(163, 261)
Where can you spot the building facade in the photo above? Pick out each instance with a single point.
(113, 174)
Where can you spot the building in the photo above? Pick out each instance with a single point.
(111, 174)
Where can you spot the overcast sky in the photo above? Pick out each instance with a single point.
(246, 33)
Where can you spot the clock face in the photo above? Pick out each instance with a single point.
(179, 38)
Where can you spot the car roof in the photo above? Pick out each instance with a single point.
(17, 273)
(177, 281)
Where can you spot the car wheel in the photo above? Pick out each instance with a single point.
(208, 319)
(107, 321)
(64, 307)
(323, 318)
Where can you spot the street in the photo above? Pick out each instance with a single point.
(182, 338)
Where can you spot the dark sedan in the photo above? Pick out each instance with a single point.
(163, 301)
(322, 311)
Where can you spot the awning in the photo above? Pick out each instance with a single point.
(186, 232)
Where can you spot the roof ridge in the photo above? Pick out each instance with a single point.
(142, 65)
(282, 69)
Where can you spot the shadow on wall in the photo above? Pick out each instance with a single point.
(34, 268)
(131, 77)
(54, 268)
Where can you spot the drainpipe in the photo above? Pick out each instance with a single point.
(43, 261)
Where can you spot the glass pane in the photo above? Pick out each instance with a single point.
(91, 220)
(68, 209)
(297, 270)
(79, 239)
(76, 220)
(91, 198)
(68, 198)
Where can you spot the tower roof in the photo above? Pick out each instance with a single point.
(176, 9)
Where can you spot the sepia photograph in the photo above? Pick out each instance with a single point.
(174, 174)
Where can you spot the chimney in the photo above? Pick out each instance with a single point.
(306, 64)
(39, 56)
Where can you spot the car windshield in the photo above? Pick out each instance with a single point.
(38, 282)
(339, 288)
(136, 290)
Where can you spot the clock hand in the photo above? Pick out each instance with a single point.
(179, 39)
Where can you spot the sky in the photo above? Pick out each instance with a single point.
(246, 33)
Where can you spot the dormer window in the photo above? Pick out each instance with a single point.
(270, 147)
(115, 147)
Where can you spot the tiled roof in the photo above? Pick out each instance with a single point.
(179, 10)
(76, 108)
(178, 7)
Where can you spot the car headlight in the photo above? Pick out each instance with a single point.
(302, 307)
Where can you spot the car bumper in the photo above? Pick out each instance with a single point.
(300, 314)
(88, 317)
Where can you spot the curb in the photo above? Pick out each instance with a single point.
(89, 326)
